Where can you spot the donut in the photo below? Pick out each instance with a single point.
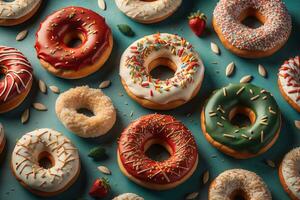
(55, 34)
(152, 51)
(2, 138)
(148, 11)
(17, 11)
(241, 141)
(289, 173)
(128, 196)
(41, 145)
(173, 136)
(250, 42)
(18, 78)
(238, 184)
(289, 82)
(69, 102)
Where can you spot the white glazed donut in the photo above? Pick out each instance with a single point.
(45, 144)
(238, 183)
(289, 173)
(137, 62)
(17, 11)
(148, 11)
(128, 196)
(2, 138)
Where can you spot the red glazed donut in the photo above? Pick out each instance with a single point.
(17, 81)
(59, 29)
(168, 132)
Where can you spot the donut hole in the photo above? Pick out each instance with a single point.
(86, 111)
(46, 160)
(73, 39)
(157, 150)
(162, 68)
(252, 18)
(242, 116)
(238, 195)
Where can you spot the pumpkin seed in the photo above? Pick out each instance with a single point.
(54, 89)
(230, 69)
(39, 107)
(205, 177)
(104, 84)
(104, 170)
(102, 4)
(22, 35)
(262, 70)
(42, 86)
(297, 124)
(246, 79)
(214, 47)
(25, 116)
(270, 163)
(192, 195)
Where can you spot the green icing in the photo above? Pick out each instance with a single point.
(246, 139)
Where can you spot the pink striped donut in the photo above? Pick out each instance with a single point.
(17, 81)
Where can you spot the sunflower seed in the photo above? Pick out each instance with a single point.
(22, 35)
(214, 47)
(102, 4)
(270, 163)
(297, 124)
(192, 195)
(104, 170)
(230, 69)
(262, 70)
(42, 86)
(246, 79)
(205, 177)
(25, 116)
(39, 107)
(104, 84)
(54, 89)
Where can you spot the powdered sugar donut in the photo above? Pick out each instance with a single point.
(33, 149)
(148, 11)
(128, 196)
(289, 81)
(2, 138)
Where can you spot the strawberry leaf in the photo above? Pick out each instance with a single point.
(98, 153)
(126, 30)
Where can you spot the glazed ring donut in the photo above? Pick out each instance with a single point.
(289, 82)
(29, 164)
(168, 132)
(252, 42)
(2, 138)
(249, 100)
(238, 184)
(17, 11)
(161, 49)
(69, 102)
(289, 173)
(148, 11)
(128, 196)
(17, 81)
(53, 42)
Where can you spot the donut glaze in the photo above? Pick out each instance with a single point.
(51, 35)
(164, 129)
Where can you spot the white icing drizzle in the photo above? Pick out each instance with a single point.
(290, 167)
(17, 8)
(25, 160)
(148, 11)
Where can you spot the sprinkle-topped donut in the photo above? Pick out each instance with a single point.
(168, 132)
(252, 42)
(249, 100)
(53, 146)
(140, 58)
(289, 81)
(17, 80)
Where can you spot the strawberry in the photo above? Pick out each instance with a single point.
(197, 22)
(100, 188)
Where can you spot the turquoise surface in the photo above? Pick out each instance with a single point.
(210, 158)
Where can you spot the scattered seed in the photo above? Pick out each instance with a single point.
(214, 47)
(39, 107)
(262, 71)
(246, 79)
(192, 196)
(205, 177)
(270, 163)
(42, 86)
(230, 69)
(102, 4)
(297, 124)
(104, 170)
(54, 89)
(22, 35)
(215, 63)
(104, 84)
(131, 113)
(25, 116)
(120, 94)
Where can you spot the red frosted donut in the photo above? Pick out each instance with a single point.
(168, 132)
(17, 81)
(63, 26)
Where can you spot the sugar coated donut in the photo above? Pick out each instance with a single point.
(148, 11)
(249, 100)
(128, 196)
(250, 42)
(238, 184)
(69, 102)
(289, 81)
(17, 11)
(161, 49)
(289, 173)
(29, 158)
(17, 81)
(2, 138)
(168, 132)
(53, 42)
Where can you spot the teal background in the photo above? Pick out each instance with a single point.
(210, 158)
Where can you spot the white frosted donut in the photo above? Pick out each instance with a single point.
(135, 69)
(128, 196)
(69, 102)
(148, 11)
(53, 146)
(238, 183)
(2, 138)
(289, 173)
